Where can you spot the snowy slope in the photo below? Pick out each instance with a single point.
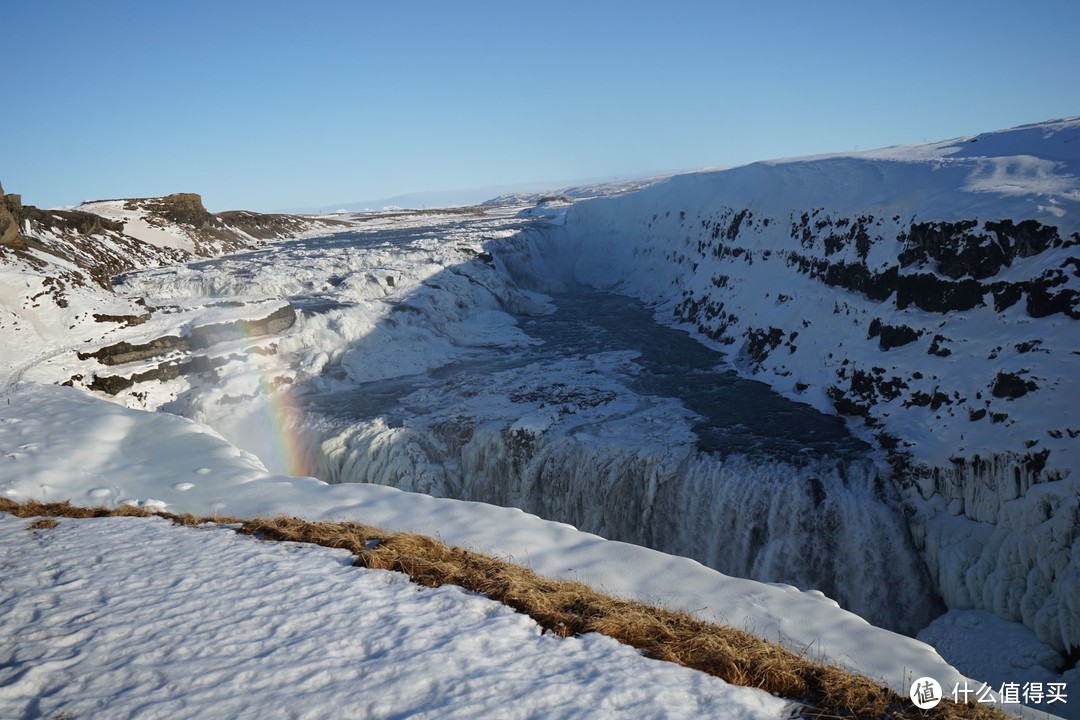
(929, 293)
(153, 620)
(142, 225)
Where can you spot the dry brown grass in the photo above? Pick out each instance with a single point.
(45, 523)
(570, 608)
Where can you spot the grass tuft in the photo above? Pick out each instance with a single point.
(569, 608)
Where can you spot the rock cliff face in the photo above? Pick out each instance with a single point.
(182, 222)
(931, 295)
(209, 234)
(9, 224)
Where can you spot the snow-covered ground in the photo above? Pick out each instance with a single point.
(110, 455)
(137, 618)
(139, 225)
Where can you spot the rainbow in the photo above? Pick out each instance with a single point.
(284, 430)
(273, 429)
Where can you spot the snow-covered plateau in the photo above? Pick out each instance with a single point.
(790, 395)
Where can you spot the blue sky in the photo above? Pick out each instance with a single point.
(269, 105)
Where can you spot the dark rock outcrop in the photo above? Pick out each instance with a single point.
(962, 249)
(209, 235)
(10, 236)
(1011, 386)
(199, 364)
(943, 266)
(199, 338)
(124, 352)
(178, 208)
(890, 336)
(278, 321)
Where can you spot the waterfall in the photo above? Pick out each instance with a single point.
(827, 525)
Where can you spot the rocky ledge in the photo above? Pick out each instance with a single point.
(188, 350)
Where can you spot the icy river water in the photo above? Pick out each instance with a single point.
(733, 415)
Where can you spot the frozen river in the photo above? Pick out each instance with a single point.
(732, 415)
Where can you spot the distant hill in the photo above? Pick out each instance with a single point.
(512, 194)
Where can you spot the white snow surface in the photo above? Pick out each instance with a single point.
(111, 455)
(137, 618)
(1018, 657)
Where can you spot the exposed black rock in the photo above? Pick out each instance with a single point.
(199, 364)
(962, 249)
(124, 352)
(1011, 386)
(890, 336)
(933, 294)
(761, 342)
(937, 348)
(277, 321)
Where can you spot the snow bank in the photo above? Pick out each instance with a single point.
(145, 618)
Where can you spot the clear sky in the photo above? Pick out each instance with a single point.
(268, 105)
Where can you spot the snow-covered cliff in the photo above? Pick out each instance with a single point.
(930, 294)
